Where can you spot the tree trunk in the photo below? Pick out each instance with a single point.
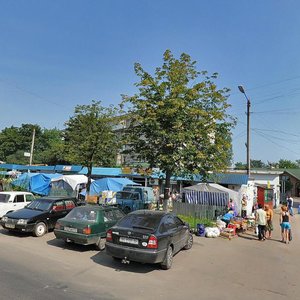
(167, 190)
(89, 176)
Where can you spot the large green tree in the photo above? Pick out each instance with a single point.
(89, 137)
(179, 120)
(48, 145)
(287, 164)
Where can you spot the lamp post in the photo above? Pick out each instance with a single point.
(248, 128)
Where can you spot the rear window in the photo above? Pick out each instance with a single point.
(143, 221)
(4, 198)
(82, 214)
(118, 213)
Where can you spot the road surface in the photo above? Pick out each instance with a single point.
(243, 268)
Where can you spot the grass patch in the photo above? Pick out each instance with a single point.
(192, 221)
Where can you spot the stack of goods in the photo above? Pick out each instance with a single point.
(229, 233)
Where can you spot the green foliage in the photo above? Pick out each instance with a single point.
(287, 164)
(179, 121)
(89, 136)
(192, 221)
(14, 141)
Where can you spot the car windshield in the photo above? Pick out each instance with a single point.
(88, 214)
(141, 221)
(40, 205)
(4, 198)
(127, 195)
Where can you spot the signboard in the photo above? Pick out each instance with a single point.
(67, 168)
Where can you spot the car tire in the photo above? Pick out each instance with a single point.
(39, 229)
(189, 243)
(167, 263)
(100, 245)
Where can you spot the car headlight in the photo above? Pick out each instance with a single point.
(4, 219)
(22, 222)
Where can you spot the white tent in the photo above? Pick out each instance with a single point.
(72, 180)
(70, 185)
(215, 188)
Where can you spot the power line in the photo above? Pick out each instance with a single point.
(281, 146)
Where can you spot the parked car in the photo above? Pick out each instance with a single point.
(134, 197)
(13, 200)
(39, 216)
(148, 237)
(88, 224)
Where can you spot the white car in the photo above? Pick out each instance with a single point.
(10, 201)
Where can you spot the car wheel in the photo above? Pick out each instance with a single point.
(189, 243)
(39, 229)
(167, 263)
(100, 245)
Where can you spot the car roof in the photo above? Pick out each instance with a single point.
(99, 207)
(55, 198)
(150, 212)
(15, 193)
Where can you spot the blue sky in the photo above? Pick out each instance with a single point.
(57, 54)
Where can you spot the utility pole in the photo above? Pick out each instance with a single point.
(248, 129)
(32, 146)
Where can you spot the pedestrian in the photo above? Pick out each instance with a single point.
(290, 203)
(261, 221)
(231, 205)
(228, 216)
(285, 224)
(244, 207)
(269, 226)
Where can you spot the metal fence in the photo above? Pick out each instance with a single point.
(210, 212)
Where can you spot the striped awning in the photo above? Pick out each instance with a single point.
(207, 198)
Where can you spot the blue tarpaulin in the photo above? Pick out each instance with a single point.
(38, 183)
(109, 184)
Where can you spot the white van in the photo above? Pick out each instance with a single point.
(10, 201)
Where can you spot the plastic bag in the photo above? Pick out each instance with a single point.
(212, 232)
(200, 230)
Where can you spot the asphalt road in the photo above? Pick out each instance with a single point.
(243, 268)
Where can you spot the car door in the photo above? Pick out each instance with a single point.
(173, 231)
(184, 231)
(19, 202)
(57, 211)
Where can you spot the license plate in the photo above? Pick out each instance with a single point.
(70, 229)
(129, 241)
(9, 225)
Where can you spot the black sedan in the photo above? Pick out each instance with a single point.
(39, 216)
(148, 237)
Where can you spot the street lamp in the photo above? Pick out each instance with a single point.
(248, 128)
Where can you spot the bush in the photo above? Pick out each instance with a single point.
(192, 221)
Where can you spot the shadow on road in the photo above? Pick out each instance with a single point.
(253, 237)
(71, 246)
(103, 259)
(17, 234)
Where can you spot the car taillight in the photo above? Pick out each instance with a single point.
(152, 242)
(109, 235)
(87, 230)
(57, 226)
